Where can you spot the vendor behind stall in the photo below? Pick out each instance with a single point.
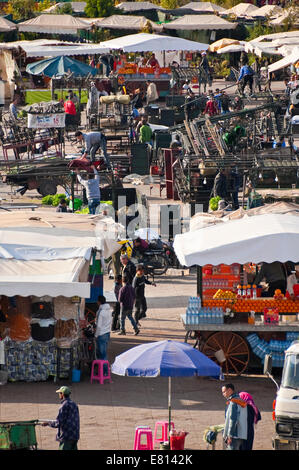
(275, 275)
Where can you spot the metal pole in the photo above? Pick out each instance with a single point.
(199, 281)
(169, 404)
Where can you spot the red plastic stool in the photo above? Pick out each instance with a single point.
(164, 426)
(143, 431)
(97, 371)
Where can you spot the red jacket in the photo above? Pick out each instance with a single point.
(69, 107)
(211, 108)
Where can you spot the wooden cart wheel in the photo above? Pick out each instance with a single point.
(235, 349)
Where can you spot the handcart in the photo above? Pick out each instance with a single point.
(17, 435)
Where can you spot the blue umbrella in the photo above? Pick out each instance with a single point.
(167, 359)
(59, 66)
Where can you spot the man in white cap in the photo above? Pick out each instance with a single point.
(67, 421)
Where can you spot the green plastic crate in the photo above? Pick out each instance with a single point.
(18, 435)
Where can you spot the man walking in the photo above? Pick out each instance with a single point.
(126, 299)
(138, 284)
(128, 268)
(235, 427)
(92, 186)
(93, 141)
(67, 421)
(103, 327)
(151, 92)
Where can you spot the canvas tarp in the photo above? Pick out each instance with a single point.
(200, 22)
(222, 43)
(143, 42)
(58, 24)
(126, 22)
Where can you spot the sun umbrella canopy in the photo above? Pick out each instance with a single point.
(265, 237)
(143, 42)
(222, 43)
(166, 359)
(59, 66)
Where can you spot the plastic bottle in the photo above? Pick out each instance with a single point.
(254, 291)
(248, 290)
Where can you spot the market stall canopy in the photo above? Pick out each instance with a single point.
(205, 7)
(143, 42)
(259, 238)
(59, 66)
(126, 22)
(200, 22)
(48, 228)
(6, 26)
(77, 7)
(137, 6)
(222, 43)
(272, 36)
(285, 14)
(241, 10)
(232, 48)
(15, 45)
(60, 50)
(54, 24)
(267, 10)
(286, 61)
(260, 48)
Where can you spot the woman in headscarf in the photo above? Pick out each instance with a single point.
(253, 416)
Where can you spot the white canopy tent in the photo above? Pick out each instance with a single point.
(126, 22)
(259, 238)
(200, 22)
(271, 37)
(57, 51)
(286, 61)
(137, 6)
(280, 19)
(6, 26)
(241, 10)
(266, 10)
(205, 7)
(143, 42)
(54, 24)
(47, 254)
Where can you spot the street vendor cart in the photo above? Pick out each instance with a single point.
(229, 320)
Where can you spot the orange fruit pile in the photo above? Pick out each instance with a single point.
(283, 304)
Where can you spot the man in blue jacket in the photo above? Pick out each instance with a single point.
(246, 77)
(235, 427)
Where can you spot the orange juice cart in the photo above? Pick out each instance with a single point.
(229, 319)
(231, 324)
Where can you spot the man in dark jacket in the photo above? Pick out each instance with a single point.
(67, 421)
(126, 299)
(220, 185)
(128, 268)
(138, 284)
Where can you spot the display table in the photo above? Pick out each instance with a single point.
(34, 361)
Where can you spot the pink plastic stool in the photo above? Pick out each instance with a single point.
(97, 371)
(143, 431)
(164, 427)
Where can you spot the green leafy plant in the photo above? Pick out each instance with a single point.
(213, 203)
